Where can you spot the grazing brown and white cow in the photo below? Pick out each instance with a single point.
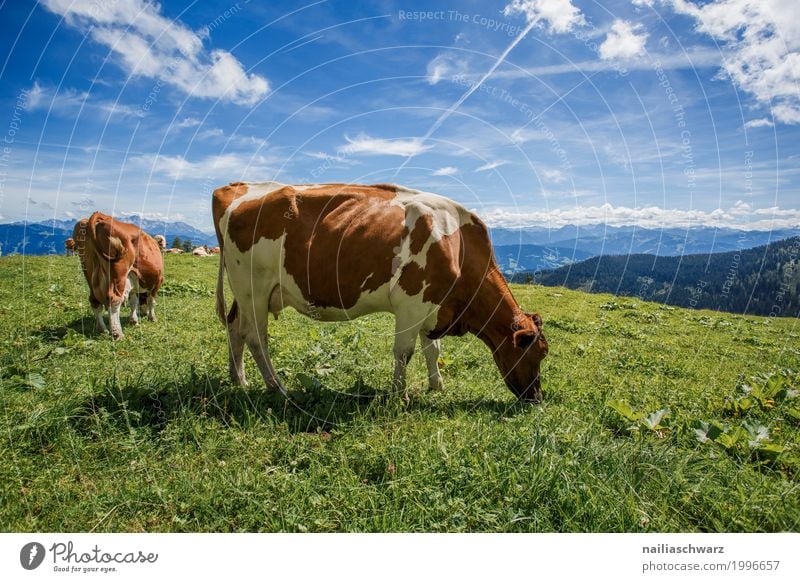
(337, 251)
(69, 247)
(119, 261)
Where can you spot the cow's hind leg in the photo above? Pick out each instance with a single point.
(235, 347)
(254, 329)
(151, 307)
(133, 303)
(431, 351)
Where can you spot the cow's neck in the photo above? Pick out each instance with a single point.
(492, 315)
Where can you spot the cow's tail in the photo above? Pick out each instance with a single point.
(221, 289)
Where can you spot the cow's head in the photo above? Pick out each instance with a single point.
(520, 356)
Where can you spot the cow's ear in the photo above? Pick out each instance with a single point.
(537, 319)
(524, 338)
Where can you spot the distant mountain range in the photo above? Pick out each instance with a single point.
(524, 250)
(47, 237)
(600, 239)
(761, 281)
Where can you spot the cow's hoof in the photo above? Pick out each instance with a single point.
(134, 322)
(117, 336)
(436, 386)
(236, 381)
(152, 318)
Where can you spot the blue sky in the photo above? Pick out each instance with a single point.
(531, 112)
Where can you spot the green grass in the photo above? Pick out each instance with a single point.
(147, 434)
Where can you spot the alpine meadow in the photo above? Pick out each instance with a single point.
(654, 418)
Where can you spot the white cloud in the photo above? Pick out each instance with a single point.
(740, 216)
(624, 41)
(375, 146)
(210, 133)
(491, 166)
(230, 166)
(147, 44)
(554, 15)
(443, 67)
(186, 122)
(68, 102)
(762, 42)
(554, 176)
(754, 123)
(446, 171)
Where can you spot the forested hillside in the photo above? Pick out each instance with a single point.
(760, 281)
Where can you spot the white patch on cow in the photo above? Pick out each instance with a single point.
(447, 217)
(255, 191)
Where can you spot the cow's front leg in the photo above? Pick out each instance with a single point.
(113, 320)
(97, 308)
(431, 351)
(405, 339)
(133, 303)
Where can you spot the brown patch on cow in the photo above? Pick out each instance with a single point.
(423, 230)
(362, 231)
(466, 282)
(382, 191)
(412, 279)
(388, 187)
(264, 217)
(222, 198)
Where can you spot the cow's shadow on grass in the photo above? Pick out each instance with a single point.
(140, 403)
(84, 325)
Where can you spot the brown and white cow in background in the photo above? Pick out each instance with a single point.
(335, 252)
(161, 241)
(69, 247)
(119, 261)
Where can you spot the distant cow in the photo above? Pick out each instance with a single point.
(335, 252)
(174, 251)
(214, 250)
(161, 241)
(69, 247)
(119, 261)
(200, 251)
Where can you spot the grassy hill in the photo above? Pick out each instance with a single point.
(762, 281)
(655, 419)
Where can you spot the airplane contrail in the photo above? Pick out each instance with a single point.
(447, 113)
